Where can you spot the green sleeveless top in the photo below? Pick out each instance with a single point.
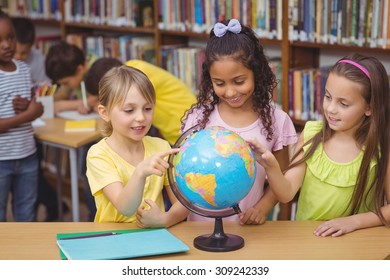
(328, 185)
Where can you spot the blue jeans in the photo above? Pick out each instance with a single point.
(20, 178)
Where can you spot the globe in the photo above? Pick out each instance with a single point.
(213, 171)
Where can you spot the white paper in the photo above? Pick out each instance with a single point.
(75, 115)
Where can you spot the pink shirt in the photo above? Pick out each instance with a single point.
(284, 135)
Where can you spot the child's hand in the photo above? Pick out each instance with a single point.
(337, 227)
(262, 155)
(20, 104)
(156, 164)
(82, 109)
(252, 217)
(35, 109)
(153, 217)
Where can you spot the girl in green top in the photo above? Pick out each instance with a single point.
(341, 165)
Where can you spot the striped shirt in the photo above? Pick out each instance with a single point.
(17, 142)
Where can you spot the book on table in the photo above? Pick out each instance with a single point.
(118, 244)
(80, 125)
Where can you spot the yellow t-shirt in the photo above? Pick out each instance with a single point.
(173, 98)
(104, 166)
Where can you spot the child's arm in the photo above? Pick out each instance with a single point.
(344, 225)
(128, 198)
(284, 186)
(154, 217)
(62, 102)
(33, 111)
(71, 105)
(258, 213)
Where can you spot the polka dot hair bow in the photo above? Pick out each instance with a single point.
(233, 26)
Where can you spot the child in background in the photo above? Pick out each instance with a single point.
(173, 97)
(341, 164)
(19, 162)
(26, 51)
(126, 170)
(236, 93)
(67, 65)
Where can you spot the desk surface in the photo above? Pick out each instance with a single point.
(272, 241)
(54, 132)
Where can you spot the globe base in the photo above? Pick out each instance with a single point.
(218, 241)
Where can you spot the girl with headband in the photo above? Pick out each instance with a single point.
(236, 93)
(341, 164)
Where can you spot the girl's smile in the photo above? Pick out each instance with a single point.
(343, 105)
(133, 119)
(233, 83)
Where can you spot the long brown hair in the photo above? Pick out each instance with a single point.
(372, 136)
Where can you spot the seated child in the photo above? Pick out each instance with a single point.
(67, 65)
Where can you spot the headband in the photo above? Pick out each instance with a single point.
(220, 29)
(364, 70)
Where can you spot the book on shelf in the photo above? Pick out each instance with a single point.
(351, 22)
(137, 13)
(118, 244)
(276, 67)
(80, 125)
(306, 90)
(297, 93)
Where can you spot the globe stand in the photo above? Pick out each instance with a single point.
(218, 241)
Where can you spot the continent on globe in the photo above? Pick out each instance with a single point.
(204, 185)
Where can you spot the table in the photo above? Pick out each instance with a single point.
(278, 240)
(53, 134)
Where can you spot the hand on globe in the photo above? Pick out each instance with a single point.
(262, 155)
(156, 164)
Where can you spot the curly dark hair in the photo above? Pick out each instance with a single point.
(245, 48)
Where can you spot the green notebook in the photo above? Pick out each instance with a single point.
(118, 244)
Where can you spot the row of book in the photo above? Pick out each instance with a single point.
(276, 66)
(306, 90)
(124, 47)
(131, 13)
(185, 63)
(44, 42)
(36, 9)
(363, 23)
(264, 16)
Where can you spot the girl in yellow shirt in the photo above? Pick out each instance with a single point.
(126, 170)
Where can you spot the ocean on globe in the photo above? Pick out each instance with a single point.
(215, 168)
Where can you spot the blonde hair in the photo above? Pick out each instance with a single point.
(115, 85)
